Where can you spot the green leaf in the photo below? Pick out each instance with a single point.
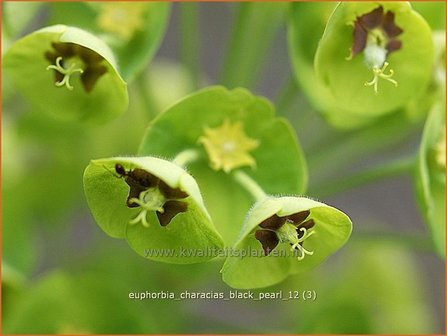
(345, 78)
(332, 229)
(187, 238)
(430, 175)
(280, 165)
(99, 94)
(133, 30)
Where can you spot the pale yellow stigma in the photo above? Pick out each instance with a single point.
(288, 234)
(380, 73)
(121, 18)
(66, 72)
(149, 200)
(228, 146)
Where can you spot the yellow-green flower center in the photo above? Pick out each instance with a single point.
(228, 146)
(149, 200)
(67, 69)
(288, 233)
(379, 72)
(122, 19)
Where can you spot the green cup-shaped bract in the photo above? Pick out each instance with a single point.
(433, 12)
(306, 24)
(133, 29)
(430, 175)
(279, 167)
(250, 268)
(189, 232)
(345, 76)
(101, 94)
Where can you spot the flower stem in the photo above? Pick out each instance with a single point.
(185, 157)
(393, 168)
(353, 145)
(287, 96)
(249, 184)
(189, 39)
(254, 30)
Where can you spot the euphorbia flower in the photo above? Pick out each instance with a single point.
(122, 18)
(68, 73)
(152, 194)
(229, 131)
(376, 36)
(132, 29)
(155, 205)
(282, 236)
(228, 146)
(293, 229)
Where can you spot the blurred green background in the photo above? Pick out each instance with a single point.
(62, 274)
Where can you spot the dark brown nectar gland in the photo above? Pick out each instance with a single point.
(270, 234)
(92, 63)
(376, 27)
(139, 180)
(376, 35)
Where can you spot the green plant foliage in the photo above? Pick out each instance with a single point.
(180, 127)
(13, 283)
(433, 12)
(189, 229)
(256, 26)
(366, 302)
(344, 68)
(81, 304)
(133, 30)
(238, 208)
(17, 231)
(327, 229)
(75, 72)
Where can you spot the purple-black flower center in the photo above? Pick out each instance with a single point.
(376, 27)
(151, 193)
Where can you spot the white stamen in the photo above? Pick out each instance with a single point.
(375, 55)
